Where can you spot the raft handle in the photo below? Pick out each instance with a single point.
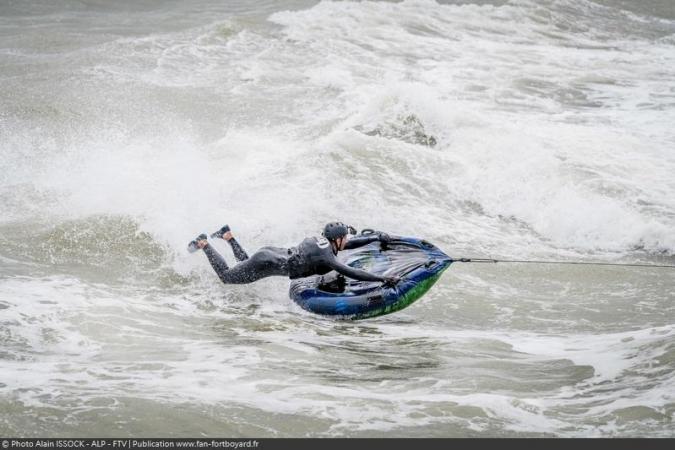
(375, 299)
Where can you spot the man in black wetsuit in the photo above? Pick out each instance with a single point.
(314, 256)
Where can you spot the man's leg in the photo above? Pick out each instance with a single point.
(263, 263)
(225, 233)
(217, 261)
(239, 253)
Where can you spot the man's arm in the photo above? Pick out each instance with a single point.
(360, 241)
(356, 274)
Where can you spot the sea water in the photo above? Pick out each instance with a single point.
(514, 129)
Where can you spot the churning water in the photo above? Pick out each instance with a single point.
(518, 129)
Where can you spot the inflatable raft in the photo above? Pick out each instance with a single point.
(418, 263)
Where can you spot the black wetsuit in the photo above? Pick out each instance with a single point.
(314, 256)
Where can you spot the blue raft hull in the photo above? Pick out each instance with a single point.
(416, 261)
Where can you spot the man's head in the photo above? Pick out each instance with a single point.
(336, 233)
